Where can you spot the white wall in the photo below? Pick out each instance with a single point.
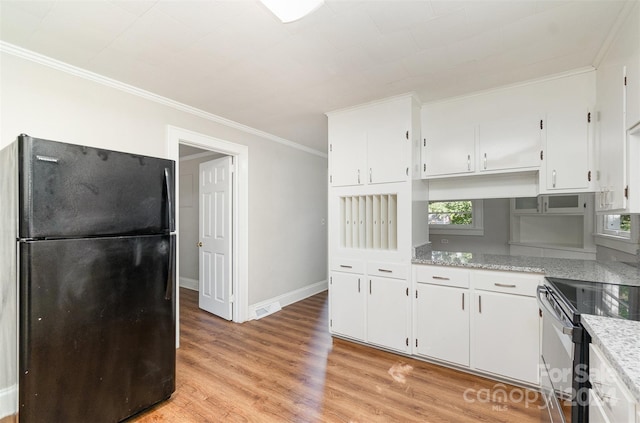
(496, 232)
(287, 186)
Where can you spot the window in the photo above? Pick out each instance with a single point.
(617, 225)
(456, 217)
(618, 232)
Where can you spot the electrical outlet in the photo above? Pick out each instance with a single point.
(444, 241)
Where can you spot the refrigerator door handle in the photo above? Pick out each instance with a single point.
(168, 294)
(167, 182)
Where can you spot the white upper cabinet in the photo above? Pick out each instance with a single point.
(347, 146)
(371, 144)
(388, 144)
(632, 93)
(511, 142)
(610, 139)
(568, 149)
(448, 147)
(538, 126)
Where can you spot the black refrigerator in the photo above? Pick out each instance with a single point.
(87, 326)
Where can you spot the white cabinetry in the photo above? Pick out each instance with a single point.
(511, 142)
(541, 126)
(613, 402)
(347, 148)
(371, 144)
(568, 149)
(485, 320)
(442, 314)
(632, 93)
(618, 95)
(368, 307)
(448, 148)
(348, 302)
(610, 140)
(388, 313)
(505, 334)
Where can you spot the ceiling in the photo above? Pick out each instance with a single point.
(233, 58)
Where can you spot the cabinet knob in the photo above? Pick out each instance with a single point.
(199, 244)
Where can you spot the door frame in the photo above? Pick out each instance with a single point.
(240, 213)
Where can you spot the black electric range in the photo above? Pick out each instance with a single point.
(597, 298)
(565, 342)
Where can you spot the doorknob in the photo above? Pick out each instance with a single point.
(199, 244)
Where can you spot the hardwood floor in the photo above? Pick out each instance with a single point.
(287, 368)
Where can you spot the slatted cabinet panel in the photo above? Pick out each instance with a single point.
(369, 221)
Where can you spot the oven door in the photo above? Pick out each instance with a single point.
(556, 363)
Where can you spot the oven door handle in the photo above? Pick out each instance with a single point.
(556, 320)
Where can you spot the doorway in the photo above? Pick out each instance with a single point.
(209, 147)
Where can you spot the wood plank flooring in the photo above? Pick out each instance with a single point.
(287, 368)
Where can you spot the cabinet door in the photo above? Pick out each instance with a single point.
(347, 147)
(388, 143)
(448, 148)
(632, 94)
(347, 300)
(610, 139)
(510, 143)
(506, 335)
(567, 158)
(388, 313)
(443, 323)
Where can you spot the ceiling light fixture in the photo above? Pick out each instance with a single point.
(292, 10)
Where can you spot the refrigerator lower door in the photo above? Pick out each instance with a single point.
(97, 327)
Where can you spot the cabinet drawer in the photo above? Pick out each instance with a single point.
(387, 270)
(347, 265)
(507, 282)
(616, 400)
(442, 275)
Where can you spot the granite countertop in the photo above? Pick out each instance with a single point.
(588, 270)
(619, 341)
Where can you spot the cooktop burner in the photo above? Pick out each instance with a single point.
(600, 299)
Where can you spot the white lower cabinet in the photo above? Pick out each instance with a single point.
(610, 401)
(596, 410)
(482, 319)
(348, 302)
(505, 336)
(388, 313)
(370, 308)
(442, 323)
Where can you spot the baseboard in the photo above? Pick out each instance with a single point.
(189, 283)
(289, 298)
(8, 402)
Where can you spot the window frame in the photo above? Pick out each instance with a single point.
(475, 229)
(621, 243)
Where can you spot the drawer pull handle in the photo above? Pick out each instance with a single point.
(346, 266)
(440, 278)
(463, 301)
(600, 388)
(385, 270)
(504, 285)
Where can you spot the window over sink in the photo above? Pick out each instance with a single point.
(463, 217)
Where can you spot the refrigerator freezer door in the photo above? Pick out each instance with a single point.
(69, 191)
(97, 322)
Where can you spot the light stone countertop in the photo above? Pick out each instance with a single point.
(587, 270)
(619, 341)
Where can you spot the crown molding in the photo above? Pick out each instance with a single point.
(130, 89)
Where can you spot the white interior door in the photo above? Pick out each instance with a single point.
(215, 237)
